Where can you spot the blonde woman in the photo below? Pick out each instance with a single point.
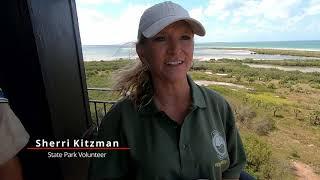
(174, 128)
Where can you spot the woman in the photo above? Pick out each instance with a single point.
(174, 128)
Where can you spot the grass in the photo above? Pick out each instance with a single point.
(287, 52)
(285, 99)
(300, 63)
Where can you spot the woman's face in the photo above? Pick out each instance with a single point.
(169, 54)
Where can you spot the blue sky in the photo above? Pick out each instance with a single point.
(116, 21)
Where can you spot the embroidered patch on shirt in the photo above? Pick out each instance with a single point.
(219, 145)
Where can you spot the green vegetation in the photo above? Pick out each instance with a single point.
(287, 52)
(259, 157)
(277, 113)
(300, 63)
(99, 75)
(258, 78)
(279, 52)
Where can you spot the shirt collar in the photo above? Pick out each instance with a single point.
(196, 93)
(198, 100)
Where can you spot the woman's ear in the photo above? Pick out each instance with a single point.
(141, 53)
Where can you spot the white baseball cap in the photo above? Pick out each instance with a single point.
(159, 16)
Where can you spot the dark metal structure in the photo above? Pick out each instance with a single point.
(43, 75)
(104, 104)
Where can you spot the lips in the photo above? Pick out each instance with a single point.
(176, 62)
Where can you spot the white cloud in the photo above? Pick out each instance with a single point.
(220, 9)
(225, 34)
(313, 26)
(224, 20)
(293, 21)
(197, 13)
(275, 9)
(98, 28)
(313, 8)
(224, 15)
(268, 9)
(235, 20)
(263, 15)
(248, 9)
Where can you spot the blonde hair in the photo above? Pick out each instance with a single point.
(134, 81)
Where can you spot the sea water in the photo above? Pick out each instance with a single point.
(205, 51)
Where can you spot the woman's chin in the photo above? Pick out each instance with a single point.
(176, 77)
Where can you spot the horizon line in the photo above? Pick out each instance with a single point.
(121, 44)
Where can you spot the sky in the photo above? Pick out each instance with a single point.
(116, 21)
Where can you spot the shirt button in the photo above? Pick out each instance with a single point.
(185, 146)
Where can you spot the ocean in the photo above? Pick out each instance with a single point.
(205, 51)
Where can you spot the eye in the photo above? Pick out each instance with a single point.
(185, 37)
(159, 38)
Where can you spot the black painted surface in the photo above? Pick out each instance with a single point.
(42, 73)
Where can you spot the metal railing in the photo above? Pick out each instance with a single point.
(97, 117)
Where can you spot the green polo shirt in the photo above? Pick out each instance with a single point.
(206, 145)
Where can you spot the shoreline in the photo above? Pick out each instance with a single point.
(248, 53)
(279, 51)
(266, 48)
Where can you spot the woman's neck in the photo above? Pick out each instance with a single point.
(167, 93)
(173, 98)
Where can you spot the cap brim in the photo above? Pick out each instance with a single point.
(155, 28)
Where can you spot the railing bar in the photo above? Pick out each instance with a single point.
(104, 107)
(95, 108)
(102, 89)
(95, 102)
(98, 101)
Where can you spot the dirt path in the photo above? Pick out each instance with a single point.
(206, 83)
(304, 172)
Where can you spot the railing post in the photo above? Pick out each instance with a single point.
(96, 112)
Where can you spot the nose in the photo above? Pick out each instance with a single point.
(174, 46)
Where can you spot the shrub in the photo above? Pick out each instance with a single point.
(198, 67)
(244, 114)
(264, 125)
(294, 154)
(221, 70)
(90, 73)
(250, 79)
(271, 86)
(315, 118)
(258, 153)
(238, 78)
(316, 86)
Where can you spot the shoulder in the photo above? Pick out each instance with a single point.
(221, 106)
(218, 105)
(12, 133)
(123, 105)
(118, 110)
(212, 97)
